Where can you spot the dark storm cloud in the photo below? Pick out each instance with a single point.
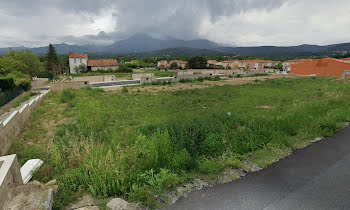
(105, 21)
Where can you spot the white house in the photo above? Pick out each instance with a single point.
(75, 60)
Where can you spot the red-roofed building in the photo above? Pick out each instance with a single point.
(329, 67)
(211, 62)
(180, 63)
(76, 60)
(345, 59)
(102, 64)
(287, 65)
(162, 63)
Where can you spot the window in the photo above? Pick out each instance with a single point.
(81, 60)
(75, 60)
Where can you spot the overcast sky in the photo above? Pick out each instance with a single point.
(231, 22)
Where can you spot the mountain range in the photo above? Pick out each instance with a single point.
(141, 44)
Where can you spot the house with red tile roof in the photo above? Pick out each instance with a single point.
(179, 63)
(76, 60)
(163, 63)
(345, 59)
(328, 67)
(287, 65)
(102, 64)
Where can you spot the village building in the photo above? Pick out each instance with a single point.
(211, 62)
(162, 63)
(345, 59)
(76, 60)
(102, 64)
(324, 67)
(287, 65)
(179, 63)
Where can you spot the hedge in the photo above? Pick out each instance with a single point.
(7, 83)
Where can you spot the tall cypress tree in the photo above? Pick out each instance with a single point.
(52, 64)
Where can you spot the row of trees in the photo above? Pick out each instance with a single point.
(23, 65)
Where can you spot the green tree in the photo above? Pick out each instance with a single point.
(52, 63)
(197, 62)
(81, 68)
(28, 58)
(174, 66)
(22, 80)
(8, 65)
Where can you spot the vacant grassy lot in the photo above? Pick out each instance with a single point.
(157, 73)
(136, 145)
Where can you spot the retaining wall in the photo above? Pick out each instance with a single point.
(139, 76)
(12, 124)
(10, 175)
(66, 85)
(191, 77)
(209, 71)
(92, 79)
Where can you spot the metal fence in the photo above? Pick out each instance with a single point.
(9, 95)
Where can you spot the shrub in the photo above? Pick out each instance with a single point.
(210, 167)
(22, 80)
(124, 69)
(67, 95)
(125, 89)
(6, 83)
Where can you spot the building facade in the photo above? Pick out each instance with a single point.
(75, 60)
(103, 65)
(328, 67)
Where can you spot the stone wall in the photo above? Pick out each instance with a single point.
(145, 80)
(10, 175)
(104, 68)
(139, 76)
(66, 85)
(93, 79)
(191, 77)
(12, 123)
(213, 72)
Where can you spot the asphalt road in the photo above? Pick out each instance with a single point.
(317, 177)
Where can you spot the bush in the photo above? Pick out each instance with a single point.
(125, 89)
(210, 167)
(67, 95)
(124, 69)
(6, 83)
(22, 80)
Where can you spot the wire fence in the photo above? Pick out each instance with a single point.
(9, 95)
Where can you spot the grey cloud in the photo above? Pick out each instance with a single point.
(159, 18)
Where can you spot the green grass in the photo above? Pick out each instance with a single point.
(138, 145)
(26, 97)
(123, 75)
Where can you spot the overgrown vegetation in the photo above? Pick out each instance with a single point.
(137, 145)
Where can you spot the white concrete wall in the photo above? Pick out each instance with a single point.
(76, 62)
(11, 124)
(96, 68)
(10, 176)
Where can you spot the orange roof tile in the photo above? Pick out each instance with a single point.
(178, 61)
(232, 61)
(103, 62)
(324, 67)
(78, 56)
